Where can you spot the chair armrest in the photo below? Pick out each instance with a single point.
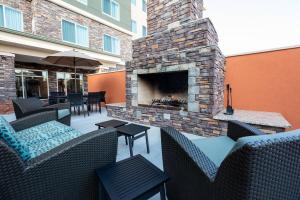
(40, 110)
(194, 154)
(238, 129)
(60, 106)
(33, 120)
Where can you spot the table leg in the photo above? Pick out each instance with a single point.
(162, 192)
(126, 141)
(147, 142)
(130, 146)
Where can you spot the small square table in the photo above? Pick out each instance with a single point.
(134, 132)
(132, 178)
(111, 123)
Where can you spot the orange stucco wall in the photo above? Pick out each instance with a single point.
(112, 83)
(267, 81)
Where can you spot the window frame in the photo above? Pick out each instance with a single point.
(4, 18)
(145, 11)
(86, 2)
(136, 26)
(119, 42)
(76, 24)
(22, 79)
(144, 27)
(109, 15)
(134, 4)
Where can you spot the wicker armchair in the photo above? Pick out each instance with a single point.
(26, 107)
(63, 173)
(262, 167)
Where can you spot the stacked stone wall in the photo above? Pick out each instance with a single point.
(7, 83)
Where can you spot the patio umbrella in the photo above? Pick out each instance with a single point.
(72, 58)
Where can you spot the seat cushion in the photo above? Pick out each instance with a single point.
(44, 137)
(63, 113)
(215, 148)
(7, 134)
(263, 139)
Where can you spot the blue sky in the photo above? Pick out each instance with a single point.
(251, 25)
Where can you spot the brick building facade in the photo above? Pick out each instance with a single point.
(41, 35)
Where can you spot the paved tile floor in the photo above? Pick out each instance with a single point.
(87, 124)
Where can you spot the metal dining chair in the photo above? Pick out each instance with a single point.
(77, 102)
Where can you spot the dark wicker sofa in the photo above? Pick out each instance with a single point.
(29, 106)
(260, 167)
(66, 172)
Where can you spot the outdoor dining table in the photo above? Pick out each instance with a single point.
(64, 97)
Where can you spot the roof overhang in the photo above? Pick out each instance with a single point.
(36, 46)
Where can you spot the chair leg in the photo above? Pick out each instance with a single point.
(147, 142)
(130, 146)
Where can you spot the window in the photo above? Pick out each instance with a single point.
(111, 44)
(144, 31)
(144, 5)
(85, 2)
(133, 2)
(31, 83)
(66, 82)
(111, 8)
(133, 26)
(75, 33)
(11, 18)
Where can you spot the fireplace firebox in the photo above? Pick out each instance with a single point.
(168, 90)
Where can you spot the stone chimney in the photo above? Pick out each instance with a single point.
(181, 44)
(168, 14)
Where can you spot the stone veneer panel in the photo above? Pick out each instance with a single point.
(7, 83)
(188, 122)
(193, 47)
(167, 14)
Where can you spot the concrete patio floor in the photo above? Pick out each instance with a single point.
(87, 124)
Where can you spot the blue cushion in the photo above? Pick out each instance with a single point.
(265, 138)
(45, 137)
(63, 113)
(7, 133)
(215, 148)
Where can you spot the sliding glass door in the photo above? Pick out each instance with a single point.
(31, 83)
(66, 82)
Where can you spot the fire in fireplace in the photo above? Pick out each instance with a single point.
(168, 90)
(169, 101)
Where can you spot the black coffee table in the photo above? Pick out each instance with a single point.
(111, 123)
(134, 132)
(132, 178)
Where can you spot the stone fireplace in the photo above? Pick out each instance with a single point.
(176, 75)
